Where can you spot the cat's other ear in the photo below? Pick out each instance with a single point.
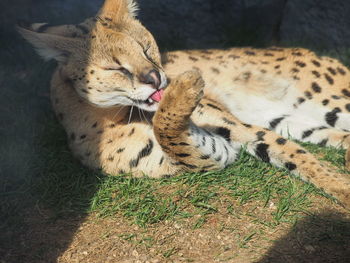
(50, 46)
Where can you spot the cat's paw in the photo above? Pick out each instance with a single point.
(184, 92)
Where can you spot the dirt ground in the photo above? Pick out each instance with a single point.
(320, 235)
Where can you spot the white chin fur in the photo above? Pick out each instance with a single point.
(150, 108)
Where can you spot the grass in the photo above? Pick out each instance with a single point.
(62, 183)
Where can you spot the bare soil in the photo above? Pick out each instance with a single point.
(320, 235)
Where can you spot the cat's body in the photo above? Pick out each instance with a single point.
(110, 73)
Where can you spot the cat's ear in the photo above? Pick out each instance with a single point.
(49, 46)
(115, 10)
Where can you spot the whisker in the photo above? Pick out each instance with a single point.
(145, 117)
(138, 109)
(115, 115)
(132, 108)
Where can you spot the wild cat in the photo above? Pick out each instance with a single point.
(125, 110)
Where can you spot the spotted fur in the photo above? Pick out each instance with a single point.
(225, 100)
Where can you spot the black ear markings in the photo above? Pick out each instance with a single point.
(83, 29)
(35, 27)
(42, 28)
(24, 24)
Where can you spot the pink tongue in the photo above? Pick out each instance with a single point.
(157, 96)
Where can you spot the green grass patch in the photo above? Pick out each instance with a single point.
(64, 184)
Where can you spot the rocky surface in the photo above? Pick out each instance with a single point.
(212, 23)
(317, 23)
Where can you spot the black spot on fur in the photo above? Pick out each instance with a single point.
(267, 54)
(227, 121)
(336, 97)
(250, 53)
(274, 123)
(308, 95)
(298, 54)
(146, 151)
(346, 92)
(82, 137)
(131, 132)
(120, 150)
(218, 159)
(193, 58)
(300, 64)
(341, 71)
(316, 88)
(214, 106)
(261, 152)
(261, 135)
(215, 70)
(331, 117)
(213, 145)
(329, 79)
(316, 63)
(234, 56)
(290, 166)
(332, 71)
(316, 73)
(161, 160)
(182, 154)
(307, 133)
(323, 142)
(301, 151)
(206, 51)
(347, 106)
(281, 141)
(325, 102)
(190, 166)
(301, 100)
(204, 140)
(224, 132)
(205, 157)
(281, 59)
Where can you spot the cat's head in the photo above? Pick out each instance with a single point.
(112, 59)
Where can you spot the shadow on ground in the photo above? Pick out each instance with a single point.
(41, 186)
(323, 237)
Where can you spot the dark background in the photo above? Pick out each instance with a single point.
(27, 125)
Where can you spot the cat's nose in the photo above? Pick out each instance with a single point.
(152, 78)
